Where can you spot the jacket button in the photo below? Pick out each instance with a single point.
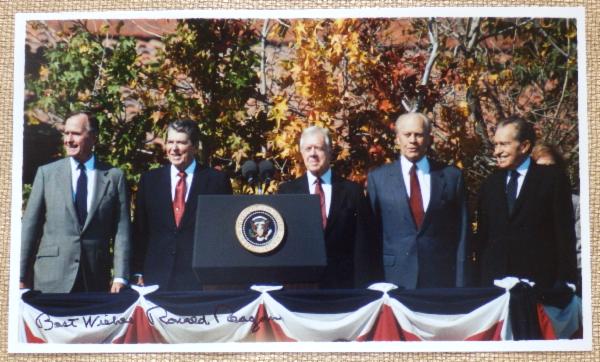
(77, 260)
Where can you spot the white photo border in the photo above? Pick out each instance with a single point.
(584, 344)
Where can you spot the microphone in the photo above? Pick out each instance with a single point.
(266, 171)
(250, 171)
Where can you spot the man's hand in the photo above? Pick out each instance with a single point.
(116, 287)
(22, 285)
(140, 281)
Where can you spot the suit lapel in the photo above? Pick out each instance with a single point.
(395, 183)
(336, 200)
(99, 191)
(198, 184)
(67, 185)
(527, 187)
(438, 183)
(163, 193)
(301, 184)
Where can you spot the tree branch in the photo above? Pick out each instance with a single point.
(432, 32)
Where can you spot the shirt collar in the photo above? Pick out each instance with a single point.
(325, 178)
(524, 166)
(422, 164)
(90, 164)
(188, 171)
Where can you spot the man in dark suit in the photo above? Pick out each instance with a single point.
(165, 211)
(420, 212)
(344, 212)
(525, 225)
(78, 208)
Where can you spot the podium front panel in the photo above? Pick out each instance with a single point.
(220, 258)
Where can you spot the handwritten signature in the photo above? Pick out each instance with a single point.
(45, 322)
(221, 314)
(158, 314)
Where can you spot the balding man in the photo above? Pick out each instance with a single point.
(420, 209)
(77, 212)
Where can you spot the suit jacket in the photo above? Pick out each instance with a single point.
(346, 239)
(537, 241)
(163, 251)
(52, 239)
(435, 255)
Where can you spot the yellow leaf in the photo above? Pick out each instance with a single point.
(299, 29)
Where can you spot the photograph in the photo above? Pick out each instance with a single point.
(344, 180)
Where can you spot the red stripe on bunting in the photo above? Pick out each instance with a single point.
(385, 328)
(140, 331)
(30, 337)
(494, 333)
(264, 329)
(545, 323)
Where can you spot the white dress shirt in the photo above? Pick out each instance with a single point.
(423, 175)
(189, 171)
(522, 170)
(325, 184)
(90, 172)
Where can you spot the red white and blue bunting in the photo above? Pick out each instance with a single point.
(270, 313)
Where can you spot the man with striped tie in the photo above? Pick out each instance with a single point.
(344, 212)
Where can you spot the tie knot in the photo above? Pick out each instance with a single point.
(181, 174)
(81, 166)
(414, 168)
(318, 181)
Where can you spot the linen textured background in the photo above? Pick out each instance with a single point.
(8, 9)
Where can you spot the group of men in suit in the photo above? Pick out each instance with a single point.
(65, 242)
(417, 233)
(411, 229)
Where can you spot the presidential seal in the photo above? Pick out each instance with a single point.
(259, 228)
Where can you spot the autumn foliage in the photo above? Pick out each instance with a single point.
(254, 84)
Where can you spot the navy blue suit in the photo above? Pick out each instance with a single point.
(346, 236)
(435, 255)
(162, 251)
(537, 240)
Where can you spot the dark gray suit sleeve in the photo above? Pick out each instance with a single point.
(122, 240)
(31, 225)
(564, 229)
(375, 231)
(140, 230)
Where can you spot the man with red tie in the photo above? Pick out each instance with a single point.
(344, 212)
(420, 212)
(165, 212)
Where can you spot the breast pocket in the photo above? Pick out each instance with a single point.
(47, 251)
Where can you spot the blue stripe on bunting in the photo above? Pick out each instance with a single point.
(62, 305)
(446, 301)
(203, 302)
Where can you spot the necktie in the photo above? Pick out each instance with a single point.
(81, 195)
(319, 191)
(511, 190)
(416, 201)
(179, 201)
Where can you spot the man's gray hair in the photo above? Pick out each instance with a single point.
(406, 116)
(316, 130)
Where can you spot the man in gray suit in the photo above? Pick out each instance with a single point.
(78, 209)
(420, 212)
